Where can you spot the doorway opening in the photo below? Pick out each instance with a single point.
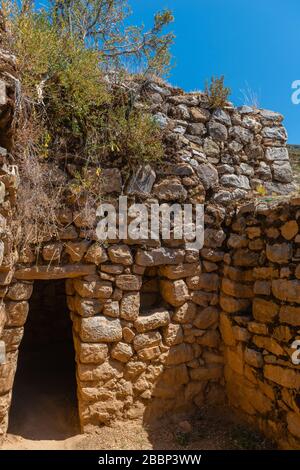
(44, 402)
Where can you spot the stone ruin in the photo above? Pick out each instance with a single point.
(158, 328)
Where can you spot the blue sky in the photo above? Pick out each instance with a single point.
(254, 43)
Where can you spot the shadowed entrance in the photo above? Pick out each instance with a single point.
(44, 404)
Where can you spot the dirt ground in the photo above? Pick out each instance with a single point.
(214, 429)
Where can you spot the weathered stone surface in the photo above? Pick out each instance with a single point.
(286, 290)
(270, 344)
(293, 421)
(217, 131)
(16, 313)
(52, 251)
(208, 175)
(93, 289)
(87, 307)
(102, 373)
(290, 315)
(172, 334)
(174, 292)
(146, 340)
(111, 181)
(180, 271)
(237, 289)
(240, 134)
(92, 353)
(226, 329)
(232, 305)
(128, 282)
(241, 181)
(170, 190)
(206, 318)
(285, 377)
(96, 254)
(155, 319)
(289, 230)
(120, 254)
(279, 253)
(111, 309)
(253, 358)
(211, 372)
(54, 272)
(206, 281)
(130, 306)
(179, 354)
(159, 256)
(282, 172)
(277, 153)
(19, 291)
(100, 330)
(76, 250)
(264, 311)
(122, 352)
(142, 181)
(214, 238)
(244, 257)
(185, 313)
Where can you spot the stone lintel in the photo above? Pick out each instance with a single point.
(54, 272)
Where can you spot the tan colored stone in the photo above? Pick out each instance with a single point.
(185, 313)
(206, 318)
(93, 289)
(179, 354)
(16, 313)
(100, 330)
(206, 281)
(102, 373)
(199, 115)
(148, 354)
(236, 289)
(253, 232)
(232, 305)
(159, 256)
(92, 353)
(128, 334)
(244, 257)
(226, 328)
(241, 334)
(122, 352)
(202, 298)
(237, 241)
(262, 288)
(146, 340)
(19, 291)
(174, 292)
(52, 251)
(54, 272)
(253, 358)
(76, 250)
(130, 306)
(128, 282)
(211, 339)
(86, 307)
(236, 274)
(12, 338)
(234, 358)
(282, 333)
(258, 328)
(279, 253)
(153, 320)
(112, 268)
(268, 343)
(293, 421)
(289, 230)
(290, 315)
(286, 290)
(265, 273)
(172, 334)
(111, 309)
(211, 372)
(180, 271)
(264, 311)
(96, 254)
(120, 254)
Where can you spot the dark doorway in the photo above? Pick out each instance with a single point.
(44, 404)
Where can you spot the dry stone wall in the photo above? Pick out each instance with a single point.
(154, 323)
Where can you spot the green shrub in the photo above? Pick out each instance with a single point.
(217, 92)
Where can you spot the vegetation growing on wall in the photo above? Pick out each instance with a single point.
(77, 101)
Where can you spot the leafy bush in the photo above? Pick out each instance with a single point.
(217, 92)
(69, 111)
